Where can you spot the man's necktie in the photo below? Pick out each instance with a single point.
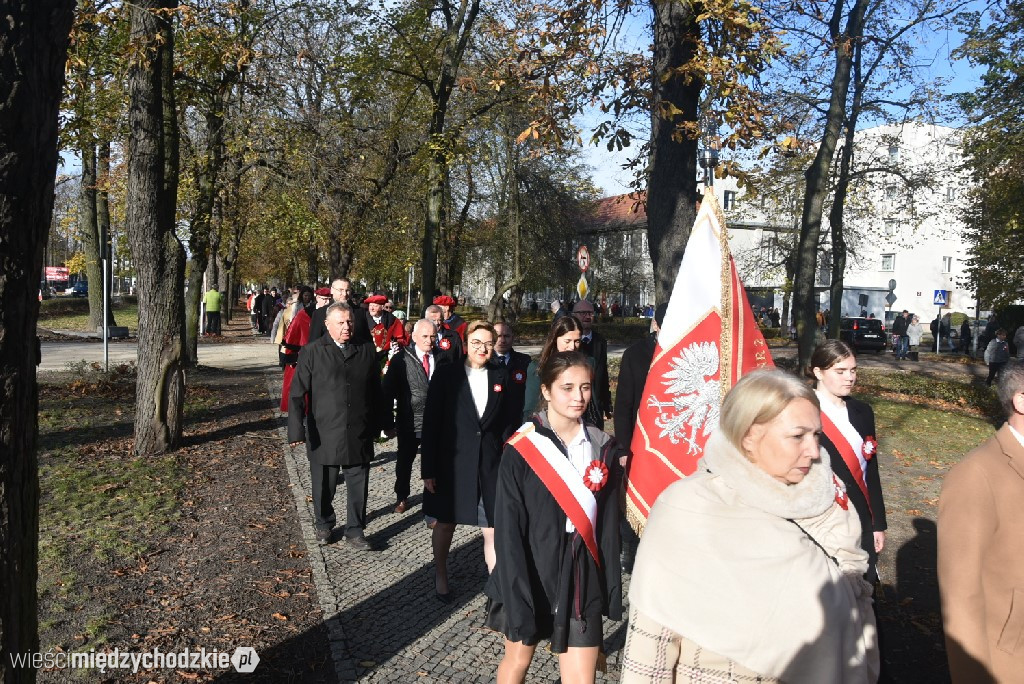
(504, 359)
(426, 365)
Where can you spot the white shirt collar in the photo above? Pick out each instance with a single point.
(1020, 437)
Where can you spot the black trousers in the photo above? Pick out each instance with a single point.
(324, 480)
(994, 368)
(213, 322)
(408, 443)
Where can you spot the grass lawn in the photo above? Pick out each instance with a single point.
(64, 313)
(171, 551)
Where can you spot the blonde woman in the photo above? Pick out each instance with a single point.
(752, 566)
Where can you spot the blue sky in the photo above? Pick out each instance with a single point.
(934, 59)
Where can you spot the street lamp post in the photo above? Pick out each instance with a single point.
(709, 160)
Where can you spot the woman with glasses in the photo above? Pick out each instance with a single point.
(465, 423)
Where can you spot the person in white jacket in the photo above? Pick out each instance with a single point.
(752, 566)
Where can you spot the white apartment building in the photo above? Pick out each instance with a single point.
(902, 223)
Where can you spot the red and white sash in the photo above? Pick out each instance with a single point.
(563, 482)
(848, 442)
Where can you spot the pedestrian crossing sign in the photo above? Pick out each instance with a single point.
(940, 298)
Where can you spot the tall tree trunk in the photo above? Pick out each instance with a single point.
(33, 52)
(103, 219)
(89, 230)
(193, 297)
(458, 30)
(201, 240)
(230, 220)
(672, 183)
(457, 229)
(158, 254)
(835, 220)
(817, 175)
(838, 210)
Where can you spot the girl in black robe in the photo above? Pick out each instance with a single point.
(834, 371)
(552, 579)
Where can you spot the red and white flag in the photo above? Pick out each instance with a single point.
(708, 341)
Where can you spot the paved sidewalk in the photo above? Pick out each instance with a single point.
(250, 356)
(384, 623)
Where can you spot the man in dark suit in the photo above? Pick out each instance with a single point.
(596, 347)
(341, 291)
(448, 344)
(257, 309)
(337, 386)
(405, 388)
(636, 363)
(515, 362)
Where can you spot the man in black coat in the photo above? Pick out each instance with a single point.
(596, 347)
(448, 344)
(257, 308)
(635, 365)
(268, 310)
(337, 386)
(341, 291)
(404, 392)
(899, 329)
(515, 362)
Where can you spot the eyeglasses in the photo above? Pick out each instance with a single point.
(477, 344)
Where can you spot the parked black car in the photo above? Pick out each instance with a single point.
(863, 334)
(81, 289)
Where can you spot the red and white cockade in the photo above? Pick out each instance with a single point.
(445, 343)
(841, 497)
(870, 447)
(497, 387)
(595, 476)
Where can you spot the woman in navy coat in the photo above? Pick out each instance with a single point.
(468, 417)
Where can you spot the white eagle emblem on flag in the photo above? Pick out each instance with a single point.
(695, 398)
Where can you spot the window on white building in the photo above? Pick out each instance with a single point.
(890, 227)
(729, 199)
(643, 242)
(951, 193)
(894, 154)
(888, 262)
(947, 264)
(890, 191)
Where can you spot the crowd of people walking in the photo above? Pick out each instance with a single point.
(762, 564)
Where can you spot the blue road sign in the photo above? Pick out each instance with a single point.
(940, 298)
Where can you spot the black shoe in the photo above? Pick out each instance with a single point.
(359, 543)
(323, 535)
(444, 598)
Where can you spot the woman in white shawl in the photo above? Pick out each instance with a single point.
(752, 567)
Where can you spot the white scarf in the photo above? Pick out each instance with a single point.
(722, 563)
